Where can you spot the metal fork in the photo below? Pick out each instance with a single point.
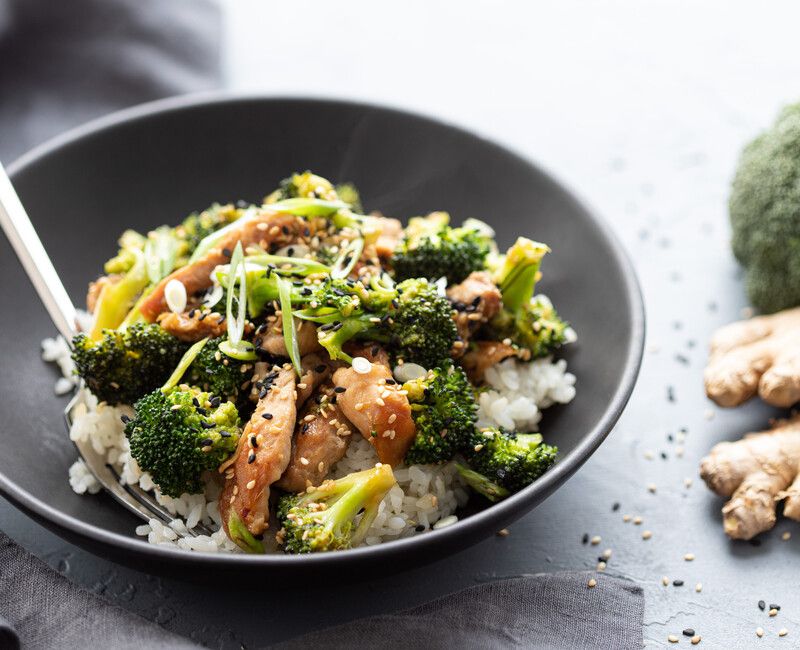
(36, 262)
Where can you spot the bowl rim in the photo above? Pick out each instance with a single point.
(503, 510)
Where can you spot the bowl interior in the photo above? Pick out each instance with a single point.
(157, 167)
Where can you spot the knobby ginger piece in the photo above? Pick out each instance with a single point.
(760, 355)
(756, 472)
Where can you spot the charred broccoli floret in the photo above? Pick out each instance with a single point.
(764, 209)
(443, 407)
(433, 249)
(529, 321)
(178, 434)
(512, 460)
(324, 518)
(124, 365)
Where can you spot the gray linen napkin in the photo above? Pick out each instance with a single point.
(539, 611)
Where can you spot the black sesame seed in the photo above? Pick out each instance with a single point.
(677, 583)
(333, 399)
(192, 313)
(206, 443)
(320, 368)
(253, 441)
(215, 402)
(304, 428)
(664, 455)
(615, 507)
(203, 315)
(226, 252)
(285, 230)
(391, 382)
(762, 605)
(202, 411)
(195, 402)
(585, 538)
(339, 389)
(225, 434)
(125, 419)
(207, 425)
(337, 326)
(778, 607)
(251, 457)
(266, 416)
(689, 631)
(374, 351)
(419, 528)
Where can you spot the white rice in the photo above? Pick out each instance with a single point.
(425, 497)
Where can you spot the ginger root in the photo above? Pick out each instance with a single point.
(756, 472)
(761, 355)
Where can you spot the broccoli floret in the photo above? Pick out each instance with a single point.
(124, 365)
(217, 373)
(324, 518)
(481, 484)
(512, 460)
(433, 249)
(443, 407)
(423, 331)
(303, 186)
(764, 210)
(198, 225)
(531, 322)
(129, 241)
(179, 434)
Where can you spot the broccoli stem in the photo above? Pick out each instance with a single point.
(183, 364)
(520, 272)
(242, 537)
(116, 300)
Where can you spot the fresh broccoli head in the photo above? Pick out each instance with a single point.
(124, 365)
(324, 518)
(180, 433)
(443, 407)
(433, 249)
(531, 322)
(122, 262)
(303, 186)
(764, 209)
(216, 373)
(512, 460)
(423, 329)
(198, 225)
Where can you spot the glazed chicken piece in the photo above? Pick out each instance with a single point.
(265, 228)
(272, 339)
(193, 325)
(483, 355)
(476, 301)
(321, 438)
(262, 455)
(377, 406)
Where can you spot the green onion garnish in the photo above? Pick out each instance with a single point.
(348, 258)
(183, 364)
(289, 333)
(160, 251)
(308, 207)
(234, 347)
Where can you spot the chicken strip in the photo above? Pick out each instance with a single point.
(261, 457)
(315, 371)
(264, 228)
(377, 406)
(476, 300)
(321, 438)
(193, 325)
(272, 339)
(484, 354)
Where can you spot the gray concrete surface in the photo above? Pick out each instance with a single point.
(642, 108)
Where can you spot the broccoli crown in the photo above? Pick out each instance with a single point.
(178, 435)
(432, 249)
(423, 330)
(198, 225)
(512, 460)
(535, 326)
(123, 261)
(443, 407)
(306, 185)
(124, 365)
(324, 518)
(764, 210)
(216, 373)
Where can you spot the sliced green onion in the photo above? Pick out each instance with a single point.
(353, 250)
(160, 251)
(242, 352)
(183, 364)
(289, 333)
(210, 241)
(237, 272)
(299, 265)
(302, 207)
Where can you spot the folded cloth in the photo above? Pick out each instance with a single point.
(555, 610)
(63, 63)
(43, 610)
(539, 611)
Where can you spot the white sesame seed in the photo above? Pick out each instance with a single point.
(759, 632)
(698, 587)
(786, 536)
(687, 482)
(637, 520)
(696, 639)
(626, 518)
(251, 484)
(651, 487)
(647, 534)
(592, 583)
(689, 557)
(665, 581)
(672, 638)
(649, 455)
(607, 554)
(601, 566)
(596, 540)
(392, 418)
(303, 460)
(773, 612)
(783, 632)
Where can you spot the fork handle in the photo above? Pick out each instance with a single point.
(34, 258)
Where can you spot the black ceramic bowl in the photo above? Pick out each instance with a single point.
(156, 163)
